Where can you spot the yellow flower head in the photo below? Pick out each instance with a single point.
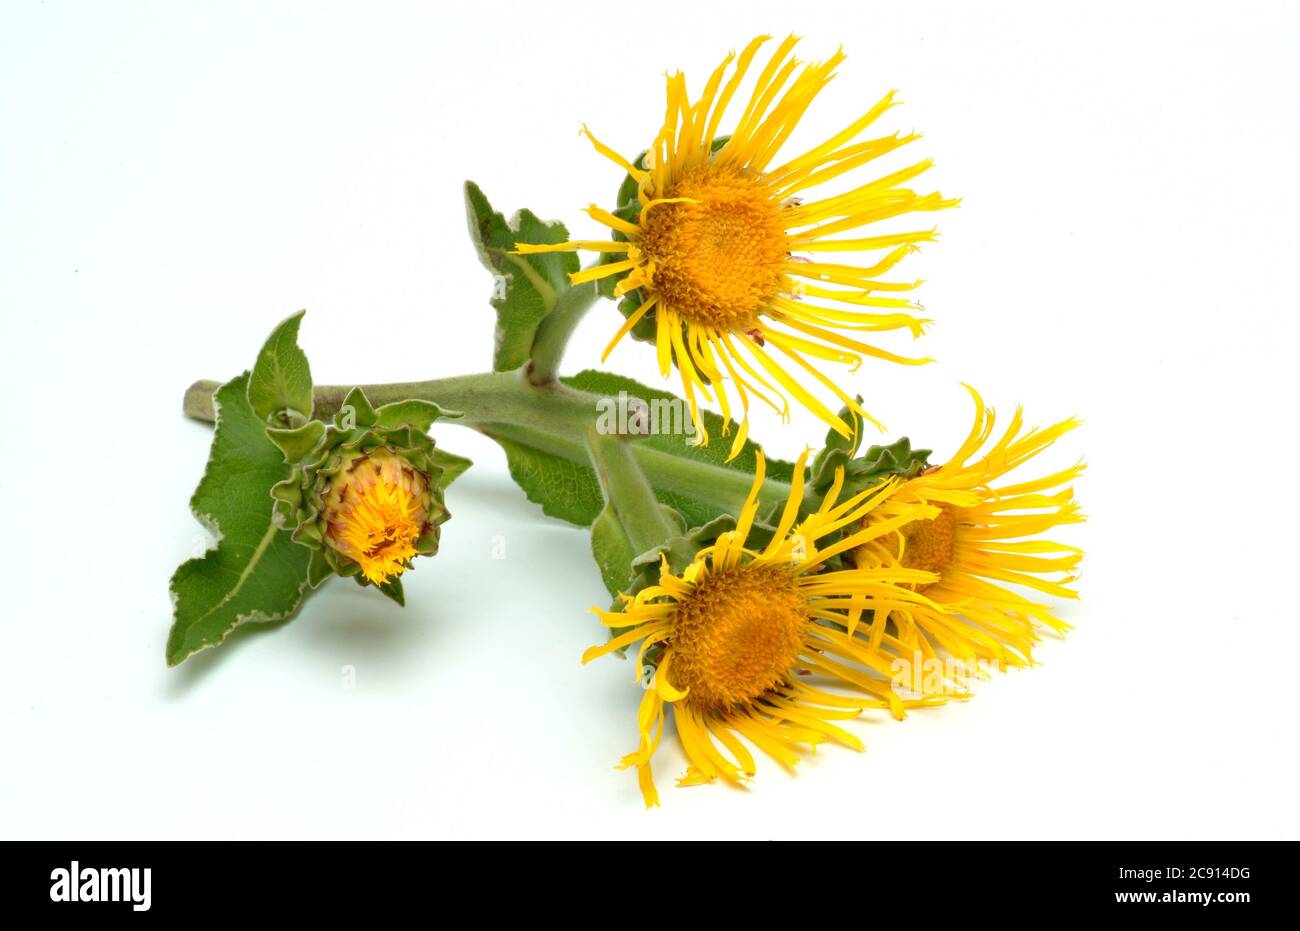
(725, 251)
(761, 643)
(983, 538)
(375, 513)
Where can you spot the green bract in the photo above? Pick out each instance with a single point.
(321, 453)
(871, 467)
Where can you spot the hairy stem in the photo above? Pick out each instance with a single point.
(489, 397)
(628, 492)
(552, 417)
(555, 331)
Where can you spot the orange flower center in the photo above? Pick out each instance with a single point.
(737, 636)
(931, 544)
(375, 513)
(718, 260)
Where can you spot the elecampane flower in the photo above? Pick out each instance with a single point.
(761, 643)
(983, 538)
(733, 257)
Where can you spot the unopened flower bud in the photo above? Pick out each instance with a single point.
(367, 499)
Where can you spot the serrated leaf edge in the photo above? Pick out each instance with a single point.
(209, 523)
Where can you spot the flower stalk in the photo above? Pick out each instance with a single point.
(647, 523)
(555, 331)
(550, 416)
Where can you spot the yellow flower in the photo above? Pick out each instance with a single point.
(735, 634)
(983, 538)
(375, 513)
(722, 248)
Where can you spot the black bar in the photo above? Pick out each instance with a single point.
(953, 880)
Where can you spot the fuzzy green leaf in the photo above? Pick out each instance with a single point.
(256, 573)
(549, 476)
(279, 388)
(527, 287)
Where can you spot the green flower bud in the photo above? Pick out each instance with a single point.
(367, 498)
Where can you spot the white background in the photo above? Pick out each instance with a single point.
(177, 178)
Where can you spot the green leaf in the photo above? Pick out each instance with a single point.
(279, 389)
(557, 474)
(256, 573)
(564, 488)
(527, 287)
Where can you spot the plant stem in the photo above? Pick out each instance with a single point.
(644, 520)
(555, 330)
(552, 418)
(488, 397)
